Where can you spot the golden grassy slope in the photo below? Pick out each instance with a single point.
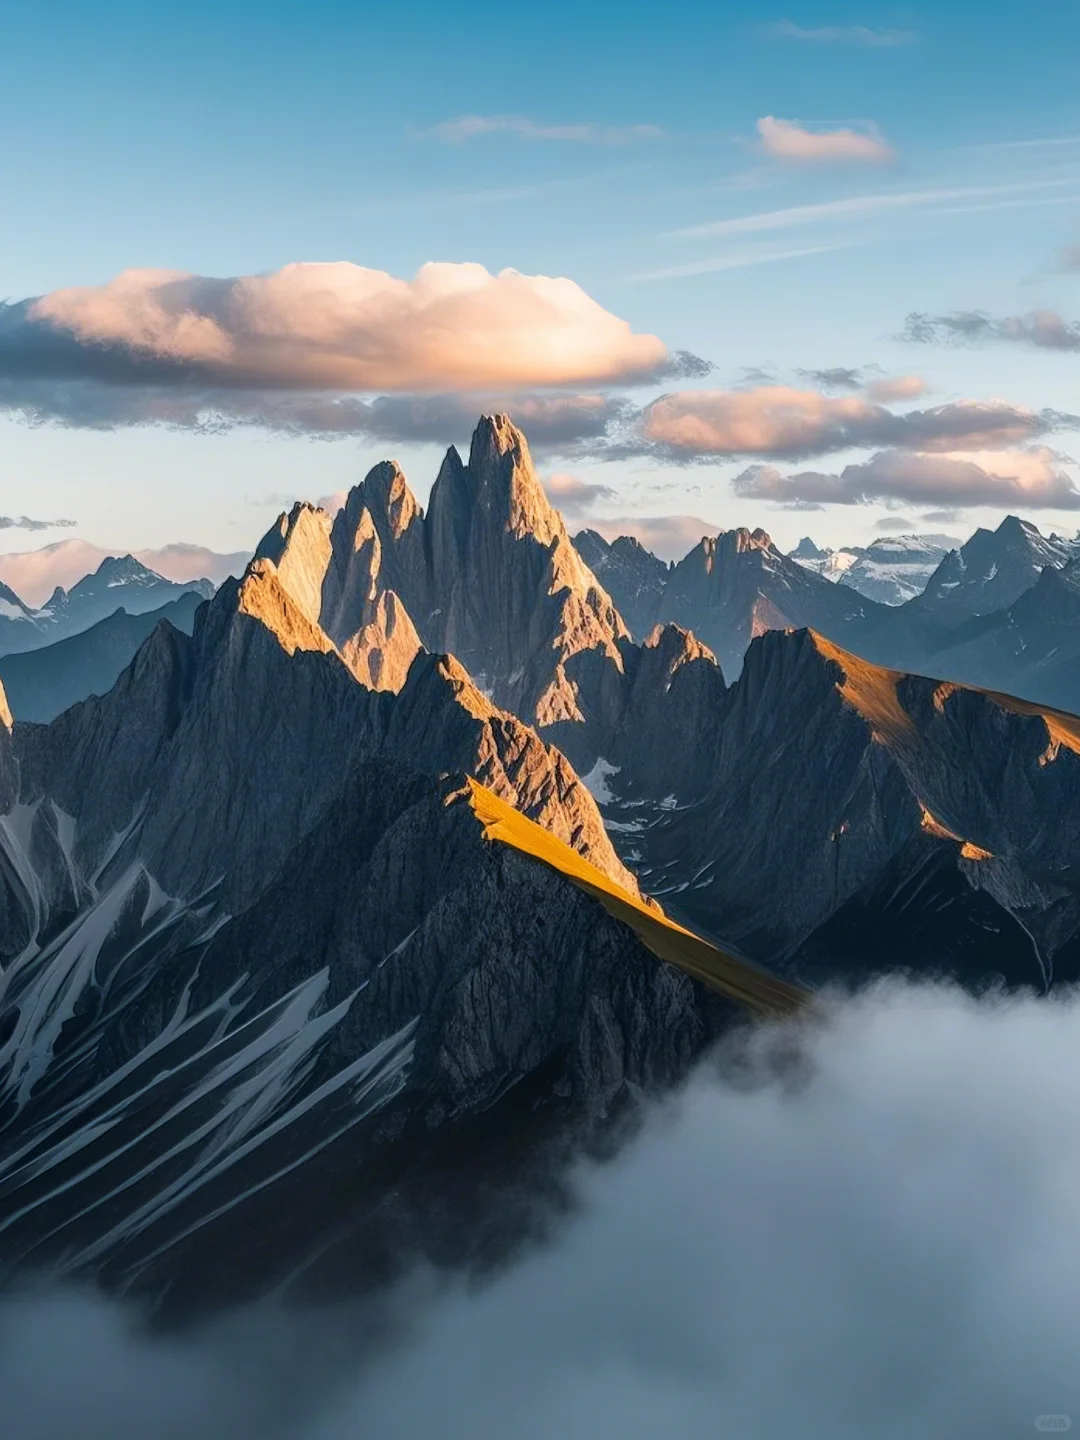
(734, 978)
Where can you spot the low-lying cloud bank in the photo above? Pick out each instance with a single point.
(867, 1229)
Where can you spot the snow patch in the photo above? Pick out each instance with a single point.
(596, 781)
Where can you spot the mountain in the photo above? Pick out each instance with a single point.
(890, 570)
(895, 568)
(279, 948)
(35, 574)
(834, 819)
(119, 582)
(1031, 648)
(990, 571)
(737, 585)
(807, 551)
(488, 574)
(987, 575)
(633, 576)
(42, 683)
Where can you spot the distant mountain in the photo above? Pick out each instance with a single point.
(633, 576)
(806, 550)
(990, 571)
(272, 954)
(737, 585)
(42, 683)
(834, 819)
(890, 570)
(119, 582)
(896, 568)
(35, 574)
(1031, 648)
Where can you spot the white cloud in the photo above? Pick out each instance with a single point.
(335, 327)
(862, 35)
(867, 1227)
(469, 127)
(788, 141)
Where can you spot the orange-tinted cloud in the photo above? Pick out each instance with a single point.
(891, 388)
(779, 420)
(789, 142)
(339, 327)
(1033, 479)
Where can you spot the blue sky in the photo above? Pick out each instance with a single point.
(232, 139)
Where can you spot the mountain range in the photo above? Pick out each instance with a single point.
(119, 582)
(407, 859)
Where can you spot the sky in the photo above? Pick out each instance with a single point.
(247, 252)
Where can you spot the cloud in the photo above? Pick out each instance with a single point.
(861, 35)
(669, 536)
(943, 517)
(787, 141)
(24, 522)
(861, 207)
(864, 1226)
(1069, 258)
(1031, 479)
(777, 420)
(575, 498)
(891, 388)
(326, 327)
(469, 127)
(552, 421)
(742, 259)
(1044, 329)
(838, 378)
(894, 524)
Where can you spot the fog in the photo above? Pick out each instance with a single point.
(867, 1227)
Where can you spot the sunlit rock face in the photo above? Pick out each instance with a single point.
(488, 575)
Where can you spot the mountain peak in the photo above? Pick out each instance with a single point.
(298, 545)
(384, 490)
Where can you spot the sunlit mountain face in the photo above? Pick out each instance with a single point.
(539, 741)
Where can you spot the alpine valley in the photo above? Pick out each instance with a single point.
(338, 899)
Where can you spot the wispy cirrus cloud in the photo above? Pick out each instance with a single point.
(1032, 479)
(471, 127)
(866, 207)
(25, 522)
(790, 142)
(1045, 329)
(859, 35)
